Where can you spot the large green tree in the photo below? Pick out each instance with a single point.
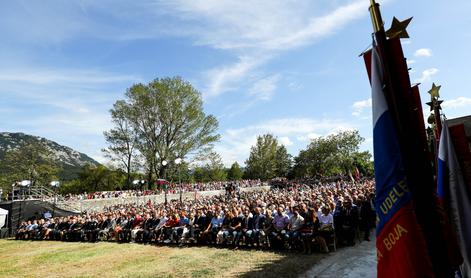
(284, 161)
(235, 173)
(210, 168)
(364, 162)
(268, 159)
(122, 141)
(95, 178)
(331, 155)
(215, 167)
(167, 121)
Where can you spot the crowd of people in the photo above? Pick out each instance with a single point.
(297, 216)
(171, 189)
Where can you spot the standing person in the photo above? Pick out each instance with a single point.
(349, 221)
(365, 217)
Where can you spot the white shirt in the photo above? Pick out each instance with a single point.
(325, 220)
(296, 222)
(162, 222)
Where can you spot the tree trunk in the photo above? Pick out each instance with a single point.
(150, 173)
(128, 173)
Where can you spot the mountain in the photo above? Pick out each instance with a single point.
(71, 161)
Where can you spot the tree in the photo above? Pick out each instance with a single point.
(267, 159)
(215, 167)
(363, 162)
(331, 155)
(234, 173)
(209, 168)
(167, 121)
(283, 161)
(95, 178)
(199, 174)
(122, 140)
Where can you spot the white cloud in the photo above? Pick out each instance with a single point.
(423, 52)
(457, 103)
(264, 88)
(285, 141)
(250, 28)
(361, 105)
(427, 74)
(308, 137)
(228, 78)
(273, 24)
(290, 126)
(235, 143)
(50, 76)
(230, 24)
(410, 62)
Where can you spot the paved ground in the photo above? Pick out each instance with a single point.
(356, 261)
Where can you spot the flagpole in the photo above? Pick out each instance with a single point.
(381, 42)
(376, 16)
(438, 121)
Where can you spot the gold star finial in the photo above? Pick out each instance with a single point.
(398, 29)
(434, 92)
(435, 103)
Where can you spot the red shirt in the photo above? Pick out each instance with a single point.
(172, 222)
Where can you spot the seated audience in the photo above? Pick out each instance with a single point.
(294, 215)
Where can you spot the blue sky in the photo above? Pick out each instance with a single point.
(286, 67)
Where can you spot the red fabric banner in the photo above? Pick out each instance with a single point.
(401, 249)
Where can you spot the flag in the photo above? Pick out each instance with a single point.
(357, 174)
(452, 190)
(401, 247)
(462, 151)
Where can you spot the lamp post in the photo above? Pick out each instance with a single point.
(142, 183)
(136, 184)
(55, 185)
(164, 164)
(13, 191)
(178, 161)
(23, 184)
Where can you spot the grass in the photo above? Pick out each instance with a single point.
(66, 259)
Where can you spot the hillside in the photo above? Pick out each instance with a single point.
(71, 161)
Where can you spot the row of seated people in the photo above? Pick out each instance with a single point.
(296, 216)
(298, 228)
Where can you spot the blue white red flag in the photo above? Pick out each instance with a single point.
(401, 247)
(453, 192)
